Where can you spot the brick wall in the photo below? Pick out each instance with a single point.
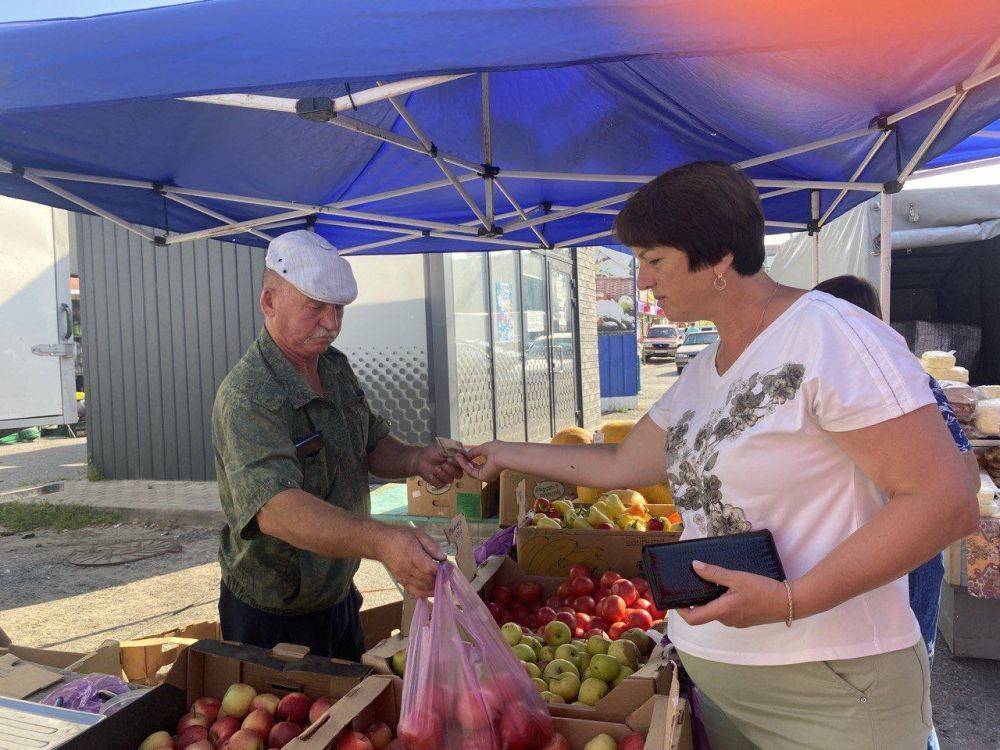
(586, 261)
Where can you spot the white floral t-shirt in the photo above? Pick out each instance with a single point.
(751, 449)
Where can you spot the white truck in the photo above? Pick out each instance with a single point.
(37, 350)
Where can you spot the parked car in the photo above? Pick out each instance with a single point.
(660, 341)
(693, 343)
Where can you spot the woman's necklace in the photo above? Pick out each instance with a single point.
(760, 322)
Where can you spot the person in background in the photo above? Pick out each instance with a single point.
(294, 441)
(925, 581)
(806, 417)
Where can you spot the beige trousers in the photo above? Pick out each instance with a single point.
(879, 702)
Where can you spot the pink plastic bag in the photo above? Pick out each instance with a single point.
(459, 695)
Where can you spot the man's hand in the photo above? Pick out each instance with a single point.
(488, 467)
(751, 599)
(412, 558)
(435, 466)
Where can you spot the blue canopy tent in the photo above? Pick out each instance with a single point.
(404, 127)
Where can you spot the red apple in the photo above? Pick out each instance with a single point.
(567, 617)
(595, 631)
(655, 524)
(521, 611)
(599, 593)
(421, 730)
(584, 604)
(557, 742)
(282, 733)
(563, 590)
(641, 585)
(542, 505)
(259, 720)
(294, 707)
(502, 595)
(658, 622)
(545, 615)
(626, 590)
(158, 741)
(567, 601)
(553, 513)
(566, 608)
(266, 701)
(609, 577)
(192, 720)
(471, 711)
(611, 608)
(350, 740)
(531, 621)
(223, 729)
(201, 745)
(190, 736)
(396, 744)
(599, 623)
(319, 706)
(506, 617)
(578, 632)
(207, 707)
(578, 570)
(536, 606)
(236, 702)
(605, 526)
(245, 739)
(616, 630)
(582, 620)
(631, 741)
(638, 618)
(641, 603)
(528, 591)
(554, 601)
(380, 735)
(581, 586)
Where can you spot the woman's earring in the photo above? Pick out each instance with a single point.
(720, 283)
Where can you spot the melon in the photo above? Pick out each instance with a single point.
(572, 436)
(616, 430)
(658, 494)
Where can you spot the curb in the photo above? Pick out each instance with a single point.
(42, 489)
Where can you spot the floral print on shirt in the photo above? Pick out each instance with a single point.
(690, 461)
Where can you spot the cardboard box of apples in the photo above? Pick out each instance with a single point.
(557, 627)
(225, 695)
(377, 701)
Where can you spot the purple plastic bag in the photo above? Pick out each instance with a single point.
(500, 543)
(86, 693)
(466, 696)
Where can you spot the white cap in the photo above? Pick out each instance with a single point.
(313, 266)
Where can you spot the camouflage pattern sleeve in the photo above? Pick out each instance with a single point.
(255, 452)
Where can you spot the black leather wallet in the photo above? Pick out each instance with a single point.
(673, 582)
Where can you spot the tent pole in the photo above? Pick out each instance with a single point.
(214, 214)
(857, 173)
(520, 212)
(586, 238)
(804, 148)
(776, 193)
(487, 148)
(525, 223)
(814, 212)
(237, 228)
(885, 254)
(444, 236)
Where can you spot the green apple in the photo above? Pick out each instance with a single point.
(558, 667)
(399, 662)
(547, 653)
(580, 643)
(533, 644)
(592, 690)
(585, 659)
(540, 685)
(566, 685)
(626, 652)
(557, 633)
(524, 652)
(601, 742)
(623, 673)
(550, 697)
(585, 674)
(642, 641)
(605, 667)
(570, 653)
(533, 670)
(598, 644)
(512, 633)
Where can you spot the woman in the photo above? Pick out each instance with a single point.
(807, 417)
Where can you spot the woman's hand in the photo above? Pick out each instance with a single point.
(751, 599)
(487, 467)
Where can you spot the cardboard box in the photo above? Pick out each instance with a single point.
(552, 552)
(379, 698)
(32, 673)
(534, 486)
(467, 495)
(209, 668)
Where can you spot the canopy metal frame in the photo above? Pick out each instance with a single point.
(486, 226)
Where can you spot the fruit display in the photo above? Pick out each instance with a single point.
(582, 640)
(631, 741)
(622, 510)
(247, 720)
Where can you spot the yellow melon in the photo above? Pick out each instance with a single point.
(572, 436)
(616, 430)
(658, 494)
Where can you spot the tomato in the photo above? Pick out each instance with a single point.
(581, 586)
(584, 604)
(611, 609)
(609, 577)
(578, 570)
(528, 592)
(626, 590)
(638, 618)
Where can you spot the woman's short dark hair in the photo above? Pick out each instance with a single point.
(855, 290)
(705, 209)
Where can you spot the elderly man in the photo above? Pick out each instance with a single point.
(294, 442)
